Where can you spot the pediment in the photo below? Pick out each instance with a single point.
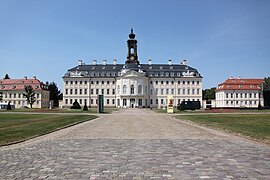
(132, 73)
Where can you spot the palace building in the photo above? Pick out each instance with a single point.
(12, 91)
(239, 93)
(131, 84)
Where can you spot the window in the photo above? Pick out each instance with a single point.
(118, 89)
(124, 89)
(178, 82)
(113, 101)
(151, 91)
(245, 95)
(102, 91)
(179, 91)
(80, 82)
(97, 91)
(198, 91)
(161, 91)
(167, 91)
(151, 82)
(70, 101)
(113, 82)
(193, 82)
(198, 82)
(76, 82)
(231, 95)
(92, 91)
(85, 82)
(236, 95)
(97, 82)
(71, 82)
(124, 101)
(156, 101)
(156, 82)
(108, 101)
(172, 91)
(76, 91)
(255, 95)
(167, 82)
(132, 89)
(92, 101)
(184, 91)
(172, 82)
(80, 101)
(37, 96)
(161, 82)
(193, 91)
(227, 95)
(66, 91)
(157, 91)
(80, 91)
(66, 101)
(162, 101)
(250, 95)
(118, 102)
(188, 91)
(85, 91)
(66, 83)
(108, 82)
(108, 91)
(140, 89)
(71, 91)
(188, 82)
(92, 82)
(19, 95)
(184, 82)
(241, 95)
(113, 91)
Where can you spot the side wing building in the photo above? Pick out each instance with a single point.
(131, 84)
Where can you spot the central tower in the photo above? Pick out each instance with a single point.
(132, 57)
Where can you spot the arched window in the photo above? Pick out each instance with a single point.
(118, 89)
(124, 89)
(132, 89)
(140, 89)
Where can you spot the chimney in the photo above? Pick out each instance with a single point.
(94, 62)
(104, 62)
(25, 77)
(184, 62)
(114, 61)
(150, 61)
(34, 77)
(170, 62)
(80, 62)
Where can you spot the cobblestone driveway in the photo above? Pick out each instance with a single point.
(136, 144)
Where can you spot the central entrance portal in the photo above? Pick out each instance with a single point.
(132, 103)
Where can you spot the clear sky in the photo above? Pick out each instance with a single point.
(218, 37)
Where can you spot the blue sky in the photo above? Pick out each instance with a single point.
(218, 37)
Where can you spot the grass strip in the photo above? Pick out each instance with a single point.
(20, 127)
(256, 126)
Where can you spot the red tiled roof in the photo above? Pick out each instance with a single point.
(18, 84)
(240, 84)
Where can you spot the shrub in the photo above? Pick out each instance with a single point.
(76, 105)
(85, 108)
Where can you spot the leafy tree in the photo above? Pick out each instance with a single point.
(29, 94)
(266, 92)
(55, 93)
(6, 76)
(76, 105)
(209, 93)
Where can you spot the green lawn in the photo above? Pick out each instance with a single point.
(256, 126)
(20, 127)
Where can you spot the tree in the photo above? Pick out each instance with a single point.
(85, 108)
(266, 92)
(209, 94)
(55, 93)
(29, 94)
(6, 76)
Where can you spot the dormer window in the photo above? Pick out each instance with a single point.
(161, 67)
(150, 67)
(171, 67)
(103, 67)
(93, 67)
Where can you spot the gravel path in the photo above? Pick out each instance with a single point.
(136, 144)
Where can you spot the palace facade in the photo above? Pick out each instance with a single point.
(12, 91)
(131, 84)
(239, 93)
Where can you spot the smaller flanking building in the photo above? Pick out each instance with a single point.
(239, 93)
(12, 91)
